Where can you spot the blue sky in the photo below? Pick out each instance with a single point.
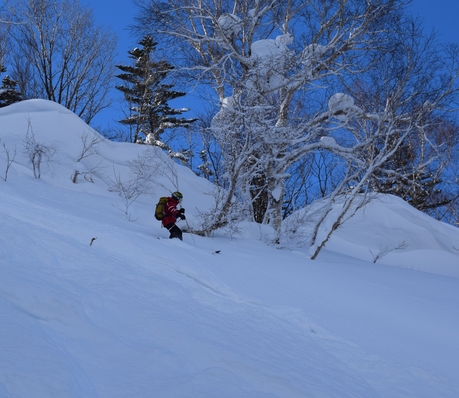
(440, 15)
(118, 15)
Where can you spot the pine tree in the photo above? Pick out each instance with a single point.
(418, 187)
(148, 97)
(8, 93)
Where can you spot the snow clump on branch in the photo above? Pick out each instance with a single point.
(328, 141)
(226, 112)
(230, 24)
(311, 56)
(341, 105)
(271, 57)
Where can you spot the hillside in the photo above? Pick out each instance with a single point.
(136, 316)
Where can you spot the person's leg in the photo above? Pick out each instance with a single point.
(175, 232)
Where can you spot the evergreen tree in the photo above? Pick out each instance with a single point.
(8, 93)
(411, 177)
(148, 97)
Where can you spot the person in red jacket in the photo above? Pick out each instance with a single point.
(171, 215)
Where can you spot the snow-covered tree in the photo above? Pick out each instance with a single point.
(148, 96)
(283, 73)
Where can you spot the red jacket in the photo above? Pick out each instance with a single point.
(171, 211)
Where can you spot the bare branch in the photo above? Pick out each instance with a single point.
(61, 55)
(90, 143)
(385, 250)
(9, 159)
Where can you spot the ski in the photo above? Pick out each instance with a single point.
(163, 238)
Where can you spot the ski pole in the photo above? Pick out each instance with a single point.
(189, 228)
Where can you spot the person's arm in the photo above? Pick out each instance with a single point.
(171, 208)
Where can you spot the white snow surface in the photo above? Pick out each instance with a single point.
(136, 316)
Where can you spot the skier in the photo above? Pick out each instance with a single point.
(171, 215)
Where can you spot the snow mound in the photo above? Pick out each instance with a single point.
(84, 160)
(387, 231)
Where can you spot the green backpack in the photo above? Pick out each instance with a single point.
(160, 210)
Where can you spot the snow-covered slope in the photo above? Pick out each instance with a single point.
(410, 238)
(136, 316)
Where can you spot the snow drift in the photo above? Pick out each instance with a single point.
(136, 316)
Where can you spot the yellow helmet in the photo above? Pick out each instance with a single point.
(177, 195)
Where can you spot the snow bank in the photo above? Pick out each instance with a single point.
(136, 316)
